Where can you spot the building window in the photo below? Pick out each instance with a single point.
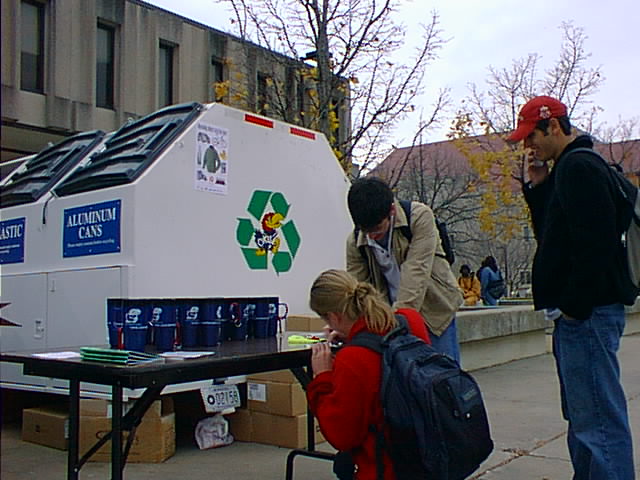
(165, 75)
(105, 63)
(262, 94)
(218, 78)
(218, 69)
(32, 47)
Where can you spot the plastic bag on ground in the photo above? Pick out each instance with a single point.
(213, 432)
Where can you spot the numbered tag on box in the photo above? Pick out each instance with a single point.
(217, 398)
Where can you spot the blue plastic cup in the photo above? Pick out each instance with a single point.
(261, 327)
(276, 321)
(236, 327)
(163, 312)
(115, 322)
(165, 337)
(216, 309)
(135, 337)
(136, 313)
(265, 316)
(210, 332)
(163, 322)
(189, 316)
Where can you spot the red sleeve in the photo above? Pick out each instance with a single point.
(416, 323)
(345, 399)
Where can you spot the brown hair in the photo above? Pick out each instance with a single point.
(337, 291)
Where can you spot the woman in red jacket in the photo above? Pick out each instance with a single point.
(345, 392)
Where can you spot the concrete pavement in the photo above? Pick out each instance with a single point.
(524, 408)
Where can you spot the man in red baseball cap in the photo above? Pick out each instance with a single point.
(577, 270)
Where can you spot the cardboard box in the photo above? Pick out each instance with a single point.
(240, 425)
(286, 399)
(282, 376)
(305, 323)
(259, 427)
(47, 426)
(154, 441)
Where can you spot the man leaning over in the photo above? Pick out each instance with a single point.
(411, 274)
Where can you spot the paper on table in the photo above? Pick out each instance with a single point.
(58, 355)
(185, 355)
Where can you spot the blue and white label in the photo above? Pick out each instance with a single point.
(92, 229)
(12, 240)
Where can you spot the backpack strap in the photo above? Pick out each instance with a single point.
(629, 194)
(374, 342)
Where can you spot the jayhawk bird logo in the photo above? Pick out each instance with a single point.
(267, 239)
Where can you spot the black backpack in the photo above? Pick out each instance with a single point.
(437, 422)
(445, 240)
(628, 205)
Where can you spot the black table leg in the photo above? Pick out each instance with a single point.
(74, 428)
(116, 429)
(304, 376)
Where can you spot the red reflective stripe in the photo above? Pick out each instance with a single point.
(302, 133)
(258, 120)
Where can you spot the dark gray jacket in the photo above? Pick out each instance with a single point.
(577, 265)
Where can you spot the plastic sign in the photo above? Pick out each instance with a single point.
(217, 398)
(12, 241)
(92, 229)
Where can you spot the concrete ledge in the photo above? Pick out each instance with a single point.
(499, 335)
(491, 336)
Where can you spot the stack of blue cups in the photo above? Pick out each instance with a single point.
(163, 321)
(190, 313)
(136, 315)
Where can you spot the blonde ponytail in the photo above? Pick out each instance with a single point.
(337, 291)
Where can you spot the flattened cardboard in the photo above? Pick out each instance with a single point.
(154, 441)
(47, 426)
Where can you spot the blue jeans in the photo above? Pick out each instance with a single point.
(447, 343)
(593, 401)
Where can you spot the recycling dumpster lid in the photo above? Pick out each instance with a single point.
(130, 150)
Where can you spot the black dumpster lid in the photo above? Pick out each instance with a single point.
(41, 172)
(130, 150)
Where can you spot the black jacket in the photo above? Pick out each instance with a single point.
(578, 264)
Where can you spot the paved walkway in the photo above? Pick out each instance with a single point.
(524, 409)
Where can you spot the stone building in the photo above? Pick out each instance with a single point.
(78, 65)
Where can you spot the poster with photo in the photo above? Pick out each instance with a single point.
(211, 162)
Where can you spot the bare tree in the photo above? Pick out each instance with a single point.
(490, 111)
(494, 109)
(620, 145)
(355, 45)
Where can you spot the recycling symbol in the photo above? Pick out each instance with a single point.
(274, 237)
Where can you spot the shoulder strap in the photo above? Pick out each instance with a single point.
(626, 189)
(368, 340)
(374, 342)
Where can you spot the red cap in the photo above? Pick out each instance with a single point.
(536, 109)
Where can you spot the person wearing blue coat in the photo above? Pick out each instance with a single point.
(488, 273)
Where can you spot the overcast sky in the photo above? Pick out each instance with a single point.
(494, 32)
